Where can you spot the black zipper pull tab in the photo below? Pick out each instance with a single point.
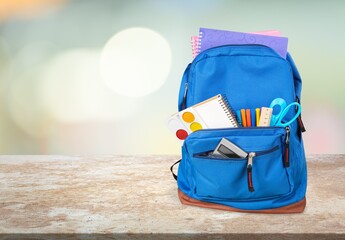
(299, 119)
(287, 148)
(251, 155)
(300, 123)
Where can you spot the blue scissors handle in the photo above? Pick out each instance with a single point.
(277, 119)
(282, 105)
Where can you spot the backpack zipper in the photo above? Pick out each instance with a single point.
(238, 45)
(286, 161)
(250, 157)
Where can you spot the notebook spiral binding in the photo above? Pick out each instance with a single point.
(195, 42)
(199, 41)
(224, 102)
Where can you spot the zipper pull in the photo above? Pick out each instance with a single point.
(300, 123)
(287, 148)
(251, 155)
(299, 119)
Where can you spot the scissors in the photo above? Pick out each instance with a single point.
(277, 119)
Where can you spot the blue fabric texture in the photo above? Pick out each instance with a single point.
(250, 76)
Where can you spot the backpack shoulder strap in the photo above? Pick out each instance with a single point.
(183, 89)
(296, 75)
(172, 169)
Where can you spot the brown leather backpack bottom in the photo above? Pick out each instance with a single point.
(297, 207)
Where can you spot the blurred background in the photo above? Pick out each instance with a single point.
(102, 77)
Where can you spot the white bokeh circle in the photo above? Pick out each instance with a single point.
(72, 89)
(135, 62)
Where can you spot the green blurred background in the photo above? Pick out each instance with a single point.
(56, 99)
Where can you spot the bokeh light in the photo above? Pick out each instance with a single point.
(72, 89)
(25, 106)
(27, 8)
(135, 62)
(325, 128)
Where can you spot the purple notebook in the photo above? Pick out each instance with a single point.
(209, 38)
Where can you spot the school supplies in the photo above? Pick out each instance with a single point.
(252, 113)
(195, 40)
(243, 116)
(228, 149)
(239, 118)
(195, 45)
(257, 116)
(277, 119)
(265, 117)
(214, 112)
(268, 32)
(248, 118)
(212, 38)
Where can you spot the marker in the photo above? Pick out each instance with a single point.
(252, 113)
(248, 118)
(239, 119)
(243, 115)
(257, 114)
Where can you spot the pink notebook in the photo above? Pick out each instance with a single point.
(195, 45)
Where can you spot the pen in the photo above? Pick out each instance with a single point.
(257, 114)
(239, 119)
(252, 113)
(243, 115)
(248, 118)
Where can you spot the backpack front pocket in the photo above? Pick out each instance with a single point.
(260, 175)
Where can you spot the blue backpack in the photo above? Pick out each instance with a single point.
(275, 181)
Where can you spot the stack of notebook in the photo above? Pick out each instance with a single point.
(209, 38)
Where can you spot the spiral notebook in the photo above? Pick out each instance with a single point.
(271, 38)
(214, 112)
(195, 45)
(213, 37)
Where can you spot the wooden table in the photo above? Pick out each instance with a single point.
(122, 197)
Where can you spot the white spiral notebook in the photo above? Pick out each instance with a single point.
(214, 112)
